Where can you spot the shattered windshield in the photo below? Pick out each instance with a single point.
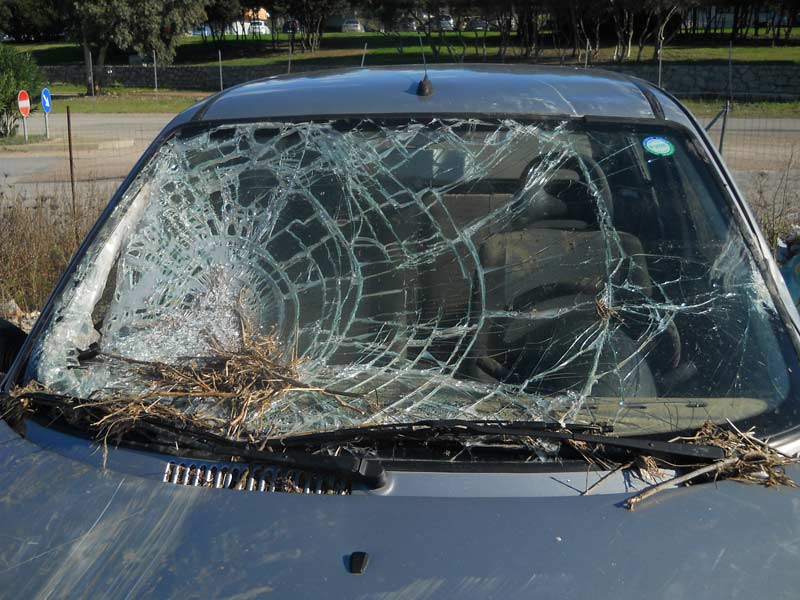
(278, 277)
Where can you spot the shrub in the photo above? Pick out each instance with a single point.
(38, 240)
(17, 71)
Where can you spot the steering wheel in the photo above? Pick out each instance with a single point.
(514, 335)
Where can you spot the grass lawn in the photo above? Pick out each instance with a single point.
(19, 139)
(130, 101)
(709, 108)
(344, 48)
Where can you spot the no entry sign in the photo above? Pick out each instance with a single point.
(24, 103)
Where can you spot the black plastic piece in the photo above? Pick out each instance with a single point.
(358, 562)
(425, 87)
(11, 340)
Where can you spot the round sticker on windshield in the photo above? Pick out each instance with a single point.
(659, 146)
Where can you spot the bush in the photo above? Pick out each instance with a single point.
(17, 71)
(38, 239)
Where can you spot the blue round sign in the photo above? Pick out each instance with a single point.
(47, 102)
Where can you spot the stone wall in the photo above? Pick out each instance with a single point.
(175, 77)
(684, 79)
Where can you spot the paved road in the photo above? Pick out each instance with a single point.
(105, 147)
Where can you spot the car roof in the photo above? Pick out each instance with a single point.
(513, 90)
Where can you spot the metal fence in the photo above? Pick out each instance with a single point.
(759, 138)
(104, 148)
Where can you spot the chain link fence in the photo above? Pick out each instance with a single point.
(759, 138)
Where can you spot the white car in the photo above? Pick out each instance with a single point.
(259, 27)
(352, 26)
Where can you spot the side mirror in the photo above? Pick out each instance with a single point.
(11, 340)
(788, 257)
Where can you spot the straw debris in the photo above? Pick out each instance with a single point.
(240, 385)
(747, 459)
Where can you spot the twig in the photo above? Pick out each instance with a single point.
(616, 469)
(716, 467)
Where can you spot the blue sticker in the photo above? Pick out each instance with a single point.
(658, 145)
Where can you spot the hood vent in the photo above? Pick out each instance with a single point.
(254, 479)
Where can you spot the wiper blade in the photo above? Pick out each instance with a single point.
(364, 470)
(597, 435)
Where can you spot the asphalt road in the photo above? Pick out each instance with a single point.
(105, 147)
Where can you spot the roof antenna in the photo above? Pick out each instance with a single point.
(425, 87)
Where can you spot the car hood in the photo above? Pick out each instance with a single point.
(72, 530)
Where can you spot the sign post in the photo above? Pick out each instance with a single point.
(47, 104)
(24, 104)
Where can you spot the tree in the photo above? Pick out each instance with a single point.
(17, 71)
(142, 26)
(312, 14)
(31, 20)
(219, 14)
(156, 25)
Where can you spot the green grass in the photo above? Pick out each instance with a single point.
(19, 139)
(344, 48)
(709, 108)
(131, 101)
(52, 53)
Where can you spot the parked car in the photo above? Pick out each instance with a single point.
(259, 28)
(407, 24)
(377, 334)
(292, 26)
(442, 23)
(477, 24)
(352, 26)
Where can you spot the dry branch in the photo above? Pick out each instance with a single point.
(747, 459)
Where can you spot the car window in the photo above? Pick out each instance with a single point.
(441, 268)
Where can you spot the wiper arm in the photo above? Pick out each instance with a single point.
(367, 471)
(596, 435)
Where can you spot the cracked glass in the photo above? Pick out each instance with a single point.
(434, 268)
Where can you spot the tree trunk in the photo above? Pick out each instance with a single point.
(101, 62)
(576, 36)
(87, 62)
(644, 36)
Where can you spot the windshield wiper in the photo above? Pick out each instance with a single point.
(428, 430)
(166, 435)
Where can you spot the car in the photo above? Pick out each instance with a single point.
(403, 332)
(259, 28)
(292, 26)
(407, 24)
(441, 23)
(352, 26)
(477, 24)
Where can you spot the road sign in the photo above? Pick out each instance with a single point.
(47, 105)
(47, 102)
(24, 103)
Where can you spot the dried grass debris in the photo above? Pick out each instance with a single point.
(747, 459)
(192, 395)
